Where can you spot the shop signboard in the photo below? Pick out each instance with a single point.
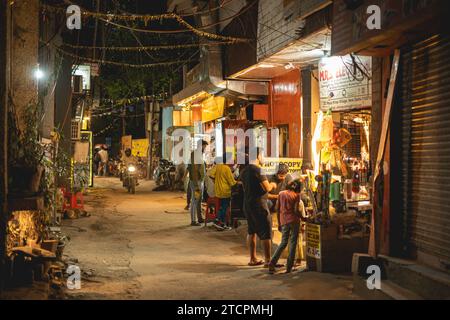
(345, 83)
(213, 108)
(270, 165)
(139, 147)
(313, 240)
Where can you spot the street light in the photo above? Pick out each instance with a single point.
(38, 74)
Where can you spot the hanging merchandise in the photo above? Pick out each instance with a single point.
(326, 132)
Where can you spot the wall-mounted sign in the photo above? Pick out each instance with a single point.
(345, 83)
(313, 240)
(270, 165)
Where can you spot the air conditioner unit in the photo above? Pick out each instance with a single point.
(76, 130)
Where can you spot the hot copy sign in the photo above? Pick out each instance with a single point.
(345, 83)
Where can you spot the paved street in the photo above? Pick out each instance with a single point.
(142, 247)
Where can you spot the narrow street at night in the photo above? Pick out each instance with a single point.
(142, 247)
(229, 159)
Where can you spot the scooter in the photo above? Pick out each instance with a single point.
(130, 179)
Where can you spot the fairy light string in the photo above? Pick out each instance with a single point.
(146, 19)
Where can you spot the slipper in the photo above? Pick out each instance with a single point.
(278, 266)
(255, 263)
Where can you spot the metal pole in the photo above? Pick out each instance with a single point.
(147, 135)
(150, 142)
(124, 131)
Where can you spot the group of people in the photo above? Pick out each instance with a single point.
(102, 158)
(262, 196)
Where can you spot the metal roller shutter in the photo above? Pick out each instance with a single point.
(425, 99)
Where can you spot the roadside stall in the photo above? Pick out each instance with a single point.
(338, 188)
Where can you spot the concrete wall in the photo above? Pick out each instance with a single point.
(24, 53)
(276, 27)
(49, 63)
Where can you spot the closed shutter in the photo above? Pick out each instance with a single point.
(425, 103)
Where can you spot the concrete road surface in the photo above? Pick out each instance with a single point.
(142, 247)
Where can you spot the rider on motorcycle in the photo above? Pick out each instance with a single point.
(129, 159)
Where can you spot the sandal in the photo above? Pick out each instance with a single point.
(277, 266)
(255, 263)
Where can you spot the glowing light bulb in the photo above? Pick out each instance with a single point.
(38, 74)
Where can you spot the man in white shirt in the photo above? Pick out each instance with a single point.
(103, 165)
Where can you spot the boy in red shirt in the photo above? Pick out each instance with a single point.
(290, 210)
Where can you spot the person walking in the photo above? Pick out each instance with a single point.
(290, 210)
(256, 187)
(197, 172)
(223, 182)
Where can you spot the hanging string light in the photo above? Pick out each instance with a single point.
(146, 19)
(149, 48)
(122, 64)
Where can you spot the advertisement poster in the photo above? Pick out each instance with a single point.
(313, 240)
(345, 83)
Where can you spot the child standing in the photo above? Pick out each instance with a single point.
(290, 210)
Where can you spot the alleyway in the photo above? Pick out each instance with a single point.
(142, 247)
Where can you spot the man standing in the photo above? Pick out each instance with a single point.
(223, 182)
(103, 165)
(256, 187)
(197, 172)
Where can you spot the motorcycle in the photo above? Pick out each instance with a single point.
(130, 179)
(142, 168)
(164, 174)
(114, 167)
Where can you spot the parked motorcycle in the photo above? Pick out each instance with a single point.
(130, 179)
(164, 174)
(114, 167)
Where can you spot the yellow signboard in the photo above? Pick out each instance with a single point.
(313, 240)
(139, 147)
(213, 108)
(270, 165)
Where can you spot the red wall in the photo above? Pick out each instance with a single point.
(285, 95)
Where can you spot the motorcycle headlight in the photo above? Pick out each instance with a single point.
(131, 169)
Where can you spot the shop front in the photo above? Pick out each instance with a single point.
(410, 123)
(337, 185)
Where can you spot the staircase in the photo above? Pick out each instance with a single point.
(400, 280)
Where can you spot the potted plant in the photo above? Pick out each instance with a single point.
(26, 154)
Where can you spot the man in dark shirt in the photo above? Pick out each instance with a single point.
(256, 187)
